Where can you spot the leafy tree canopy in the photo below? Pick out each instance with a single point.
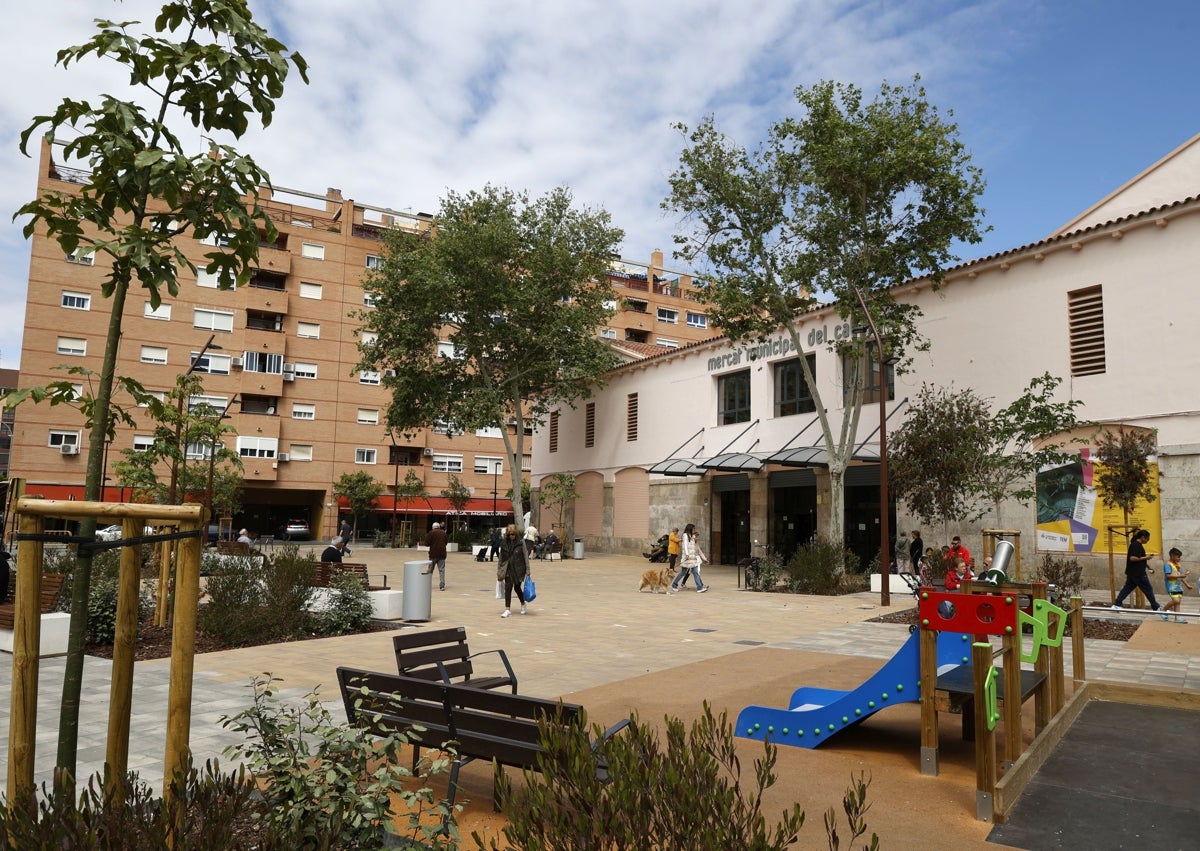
(514, 290)
(360, 490)
(1124, 477)
(849, 199)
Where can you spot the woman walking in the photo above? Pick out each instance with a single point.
(690, 559)
(514, 564)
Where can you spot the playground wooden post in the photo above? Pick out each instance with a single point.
(1054, 661)
(985, 734)
(1078, 663)
(1011, 661)
(120, 701)
(27, 638)
(183, 648)
(929, 715)
(1041, 695)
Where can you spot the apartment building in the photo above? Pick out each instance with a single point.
(282, 364)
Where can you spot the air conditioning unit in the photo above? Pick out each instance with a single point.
(236, 363)
(389, 373)
(72, 449)
(283, 456)
(289, 367)
(427, 452)
(289, 375)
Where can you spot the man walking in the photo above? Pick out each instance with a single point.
(436, 541)
(1136, 568)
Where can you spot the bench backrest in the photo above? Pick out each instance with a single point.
(326, 570)
(52, 584)
(418, 653)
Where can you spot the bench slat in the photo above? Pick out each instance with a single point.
(52, 584)
(444, 654)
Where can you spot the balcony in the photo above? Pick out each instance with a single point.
(260, 320)
(275, 259)
(257, 405)
(266, 304)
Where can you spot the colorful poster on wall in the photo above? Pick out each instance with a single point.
(1072, 518)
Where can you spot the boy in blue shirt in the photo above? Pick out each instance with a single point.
(1176, 579)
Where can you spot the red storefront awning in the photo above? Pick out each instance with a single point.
(476, 507)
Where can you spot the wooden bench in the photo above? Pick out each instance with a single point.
(443, 654)
(327, 570)
(52, 584)
(235, 548)
(469, 722)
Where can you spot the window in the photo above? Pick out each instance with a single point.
(368, 416)
(313, 251)
(733, 398)
(163, 311)
(143, 442)
(374, 261)
(636, 305)
(697, 320)
(208, 280)
(446, 349)
(58, 437)
(1085, 320)
(308, 330)
(154, 354)
(208, 405)
(443, 427)
(554, 431)
(368, 338)
(197, 451)
(212, 320)
(211, 364)
(608, 333)
(792, 394)
(364, 456)
(308, 290)
(666, 343)
(217, 240)
(526, 463)
(301, 452)
(871, 384)
(71, 346)
(76, 301)
(304, 411)
(82, 256)
(257, 447)
(368, 299)
(306, 370)
(589, 425)
(631, 417)
(609, 304)
(368, 376)
(489, 466)
(666, 314)
(447, 463)
(262, 362)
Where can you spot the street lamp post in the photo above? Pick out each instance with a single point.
(885, 544)
(495, 489)
(212, 453)
(179, 418)
(395, 459)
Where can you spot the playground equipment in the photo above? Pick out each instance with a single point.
(994, 542)
(964, 678)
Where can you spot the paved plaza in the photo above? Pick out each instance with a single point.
(589, 628)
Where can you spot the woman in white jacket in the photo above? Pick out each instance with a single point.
(691, 557)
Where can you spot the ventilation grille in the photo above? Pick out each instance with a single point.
(1085, 314)
(589, 425)
(631, 417)
(554, 431)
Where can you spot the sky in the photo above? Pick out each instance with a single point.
(1059, 102)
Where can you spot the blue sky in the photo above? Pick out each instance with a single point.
(1059, 102)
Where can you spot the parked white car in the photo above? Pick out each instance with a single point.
(113, 532)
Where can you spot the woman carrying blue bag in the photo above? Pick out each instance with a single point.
(513, 569)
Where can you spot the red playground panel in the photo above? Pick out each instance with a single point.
(977, 614)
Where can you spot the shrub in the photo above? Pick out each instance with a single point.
(766, 577)
(213, 805)
(349, 607)
(235, 612)
(287, 583)
(326, 785)
(102, 608)
(819, 567)
(462, 537)
(383, 538)
(1065, 574)
(685, 793)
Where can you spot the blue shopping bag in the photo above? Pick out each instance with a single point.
(530, 590)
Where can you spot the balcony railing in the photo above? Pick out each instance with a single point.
(70, 175)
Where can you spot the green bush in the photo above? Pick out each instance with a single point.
(383, 538)
(684, 793)
(462, 537)
(349, 607)
(326, 785)
(766, 578)
(102, 608)
(213, 805)
(287, 583)
(253, 604)
(1065, 574)
(819, 567)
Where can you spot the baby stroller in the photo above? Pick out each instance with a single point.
(658, 552)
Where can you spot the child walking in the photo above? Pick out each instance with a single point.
(1176, 579)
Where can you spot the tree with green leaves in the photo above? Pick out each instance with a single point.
(840, 204)
(558, 491)
(1023, 437)
(491, 317)
(459, 496)
(936, 455)
(361, 491)
(1123, 479)
(208, 65)
(411, 488)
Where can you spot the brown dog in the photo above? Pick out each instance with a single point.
(655, 579)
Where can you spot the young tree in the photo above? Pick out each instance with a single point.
(936, 455)
(1032, 420)
(411, 488)
(848, 200)
(146, 188)
(1123, 479)
(515, 290)
(557, 491)
(361, 491)
(459, 496)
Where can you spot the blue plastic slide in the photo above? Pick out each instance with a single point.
(816, 714)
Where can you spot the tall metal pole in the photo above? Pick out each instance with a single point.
(885, 544)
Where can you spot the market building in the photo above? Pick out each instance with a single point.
(1106, 303)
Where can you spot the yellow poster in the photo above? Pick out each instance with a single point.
(1071, 517)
